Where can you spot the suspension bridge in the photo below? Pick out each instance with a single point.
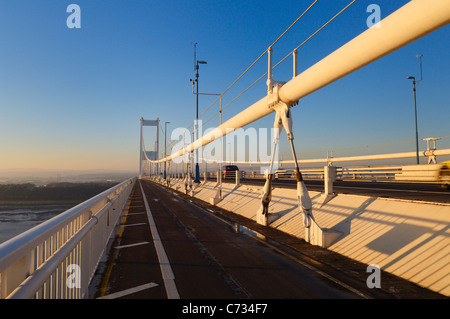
(177, 232)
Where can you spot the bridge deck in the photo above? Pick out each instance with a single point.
(168, 246)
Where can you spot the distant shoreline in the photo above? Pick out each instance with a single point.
(51, 194)
(38, 202)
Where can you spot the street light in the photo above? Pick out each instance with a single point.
(415, 84)
(197, 168)
(165, 143)
(415, 116)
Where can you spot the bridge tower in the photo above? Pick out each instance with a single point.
(142, 148)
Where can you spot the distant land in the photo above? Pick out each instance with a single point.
(40, 177)
(37, 186)
(53, 193)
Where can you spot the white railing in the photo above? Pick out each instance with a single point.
(372, 173)
(58, 258)
(429, 173)
(424, 173)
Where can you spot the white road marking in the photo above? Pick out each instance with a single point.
(132, 245)
(138, 224)
(166, 269)
(129, 291)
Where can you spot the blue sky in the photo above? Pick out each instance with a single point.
(72, 98)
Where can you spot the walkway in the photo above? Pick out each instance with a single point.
(169, 247)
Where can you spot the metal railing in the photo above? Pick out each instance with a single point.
(424, 173)
(58, 258)
(428, 173)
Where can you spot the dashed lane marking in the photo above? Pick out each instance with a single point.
(137, 224)
(166, 269)
(130, 291)
(132, 245)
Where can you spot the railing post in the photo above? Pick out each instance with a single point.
(329, 178)
(219, 179)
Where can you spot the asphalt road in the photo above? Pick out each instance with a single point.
(409, 191)
(170, 247)
(206, 257)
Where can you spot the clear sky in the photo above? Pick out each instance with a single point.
(72, 98)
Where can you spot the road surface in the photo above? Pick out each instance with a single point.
(170, 247)
(409, 191)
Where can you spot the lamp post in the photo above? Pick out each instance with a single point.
(197, 168)
(196, 67)
(165, 147)
(415, 116)
(415, 84)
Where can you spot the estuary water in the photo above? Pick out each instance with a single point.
(16, 219)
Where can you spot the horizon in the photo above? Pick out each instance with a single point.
(44, 176)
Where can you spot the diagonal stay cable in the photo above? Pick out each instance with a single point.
(318, 30)
(262, 76)
(262, 54)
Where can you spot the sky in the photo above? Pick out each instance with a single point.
(71, 98)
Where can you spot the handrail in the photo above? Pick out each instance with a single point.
(413, 173)
(29, 287)
(356, 158)
(27, 260)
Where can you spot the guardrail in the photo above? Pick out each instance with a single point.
(402, 173)
(58, 258)
(372, 173)
(424, 173)
(429, 173)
